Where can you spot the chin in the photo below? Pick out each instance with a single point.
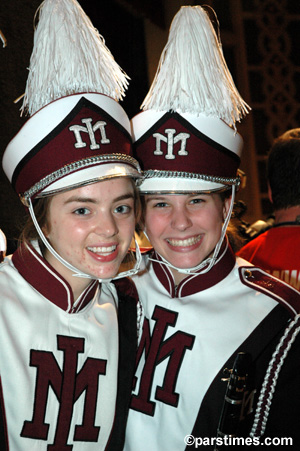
(185, 264)
(107, 275)
(104, 274)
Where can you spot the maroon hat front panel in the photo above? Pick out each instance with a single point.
(173, 144)
(86, 132)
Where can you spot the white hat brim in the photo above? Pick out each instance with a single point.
(90, 175)
(174, 185)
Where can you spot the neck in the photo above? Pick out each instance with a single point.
(287, 215)
(178, 276)
(78, 286)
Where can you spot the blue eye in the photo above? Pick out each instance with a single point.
(160, 205)
(82, 211)
(197, 201)
(123, 209)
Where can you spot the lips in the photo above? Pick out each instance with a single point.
(103, 253)
(184, 243)
(104, 250)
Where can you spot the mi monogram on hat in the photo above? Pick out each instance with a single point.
(186, 138)
(74, 140)
(77, 133)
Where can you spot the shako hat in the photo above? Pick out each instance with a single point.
(185, 138)
(77, 133)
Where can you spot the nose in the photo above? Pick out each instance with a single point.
(106, 226)
(180, 219)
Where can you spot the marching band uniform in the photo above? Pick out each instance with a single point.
(191, 333)
(186, 143)
(59, 359)
(66, 365)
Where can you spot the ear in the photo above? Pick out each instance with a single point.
(46, 230)
(270, 194)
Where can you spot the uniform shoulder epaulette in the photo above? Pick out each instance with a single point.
(280, 291)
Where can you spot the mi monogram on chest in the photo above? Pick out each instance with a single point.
(170, 138)
(68, 384)
(89, 130)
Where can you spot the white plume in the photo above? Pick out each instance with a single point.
(69, 56)
(192, 75)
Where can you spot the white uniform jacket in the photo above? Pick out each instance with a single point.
(59, 361)
(191, 333)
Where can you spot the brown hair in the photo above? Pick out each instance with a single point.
(283, 167)
(29, 232)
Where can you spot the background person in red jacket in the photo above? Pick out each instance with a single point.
(277, 249)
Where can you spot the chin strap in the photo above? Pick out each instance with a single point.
(209, 262)
(77, 272)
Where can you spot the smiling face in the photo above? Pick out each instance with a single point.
(91, 227)
(184, 228)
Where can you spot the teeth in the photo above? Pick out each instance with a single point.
(187, 242)
(102, 250)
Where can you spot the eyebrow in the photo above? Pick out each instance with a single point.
(155, 198)
(163, 198)
(95, 201)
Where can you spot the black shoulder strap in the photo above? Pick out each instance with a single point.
(127, 315)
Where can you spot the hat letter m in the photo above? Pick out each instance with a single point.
(171, 140)
(90, 129)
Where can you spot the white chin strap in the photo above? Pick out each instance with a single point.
(77, 272)
(209, 262)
